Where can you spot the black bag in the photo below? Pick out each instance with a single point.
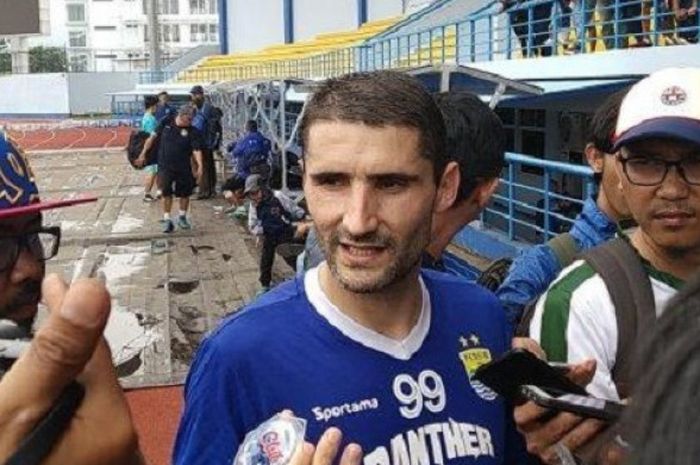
(137, 139)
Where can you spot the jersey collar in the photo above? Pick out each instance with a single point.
(401, 350)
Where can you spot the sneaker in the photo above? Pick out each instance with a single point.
(148, 198)
(241, 212)
(168, 226)
(182, 223)
(231, 210)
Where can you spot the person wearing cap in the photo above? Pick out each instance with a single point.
(68, 346)
(180, 144)
(535, 268)
(274, 217)
(203, 119)
(657, 141)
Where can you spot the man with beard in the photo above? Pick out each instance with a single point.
(366, 346)
(68, 346)
(658, 164)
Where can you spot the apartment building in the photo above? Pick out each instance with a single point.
(113, 35)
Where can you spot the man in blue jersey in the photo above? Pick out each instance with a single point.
(366, 342)
(164, 109)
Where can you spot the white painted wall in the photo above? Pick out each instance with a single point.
(382, 9)
(87, 92)
(312, 17)
(254, 26)
(34, 94)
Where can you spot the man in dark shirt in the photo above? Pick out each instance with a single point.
(204, 120)
(476, 142)
(179, 141)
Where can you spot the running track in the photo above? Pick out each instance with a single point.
(73, 138)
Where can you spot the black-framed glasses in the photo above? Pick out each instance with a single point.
(651, 171)
(42, 243)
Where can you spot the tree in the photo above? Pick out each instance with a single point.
(47, 60)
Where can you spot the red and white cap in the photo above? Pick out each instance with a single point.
(665, 104)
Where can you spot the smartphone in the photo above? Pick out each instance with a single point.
(585, 406)
(519, 367)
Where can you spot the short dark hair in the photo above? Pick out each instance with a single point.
(475, 138)
(149, 101)
(380, 99)
(163, 92)
(251, 125)
(602, 127)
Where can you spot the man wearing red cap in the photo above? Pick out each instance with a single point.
(68, 346)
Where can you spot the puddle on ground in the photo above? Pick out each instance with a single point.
(197, 248)
(177, 286)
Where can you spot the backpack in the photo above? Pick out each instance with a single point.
(628, 284)
(137, 139)
(564, 248)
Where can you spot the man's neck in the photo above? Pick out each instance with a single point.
(681, 264)
(392, 312)
(445, 226)
(606, 207)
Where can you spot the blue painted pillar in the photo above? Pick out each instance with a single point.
(223, 26)
(288, 21)
(361, 12)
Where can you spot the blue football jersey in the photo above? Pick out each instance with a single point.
(405, 402)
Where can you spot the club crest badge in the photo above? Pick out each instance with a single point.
(673, 96)
(473, 355)
(184, 133)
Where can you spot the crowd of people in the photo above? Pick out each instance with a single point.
(542, 26)
(375, 346)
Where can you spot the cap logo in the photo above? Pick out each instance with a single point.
(673, 96)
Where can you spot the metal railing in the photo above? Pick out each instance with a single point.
(526, 208)
(533, 28)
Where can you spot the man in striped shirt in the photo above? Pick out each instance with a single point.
(657, 141)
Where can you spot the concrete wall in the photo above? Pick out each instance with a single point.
(254, 27)
(382, 9)
(34, 94)
(312, 17)
(87, 91)
(251, 27)
(61, 94)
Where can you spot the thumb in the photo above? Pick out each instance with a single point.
(64, 344)
(582, 373)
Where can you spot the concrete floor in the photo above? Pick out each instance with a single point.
(168, 290)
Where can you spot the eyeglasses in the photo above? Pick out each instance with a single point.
(650, 171)
(42, 244)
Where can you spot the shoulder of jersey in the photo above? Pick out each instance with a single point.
(283, 298)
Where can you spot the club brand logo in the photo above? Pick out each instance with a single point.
(473, 355)
(673, 96)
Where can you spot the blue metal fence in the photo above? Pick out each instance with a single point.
(529, 210)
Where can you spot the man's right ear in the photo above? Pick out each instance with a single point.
(594, 157)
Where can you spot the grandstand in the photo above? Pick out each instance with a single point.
(284, 60)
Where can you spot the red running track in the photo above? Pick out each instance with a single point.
(156, 414)
(73, 138)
